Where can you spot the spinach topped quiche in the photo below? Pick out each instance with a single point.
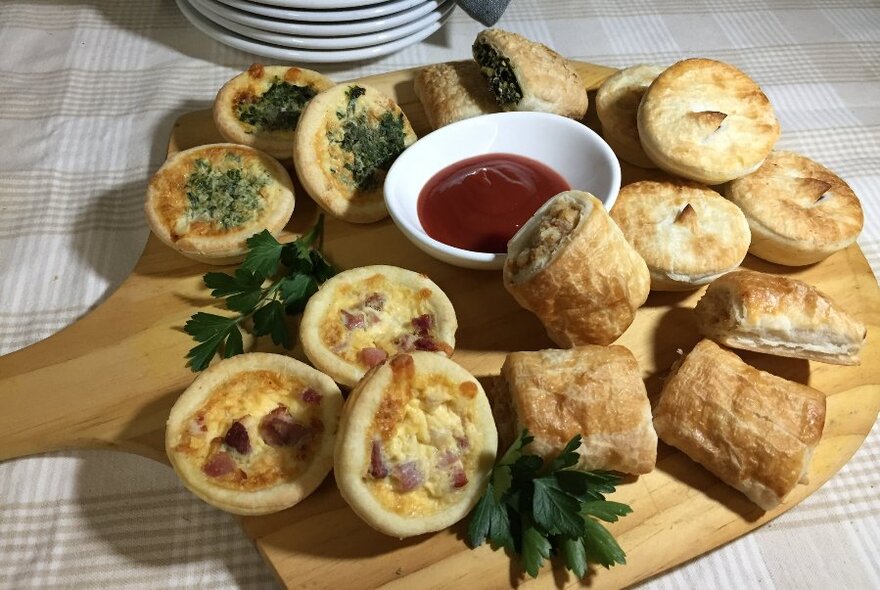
(346, 140)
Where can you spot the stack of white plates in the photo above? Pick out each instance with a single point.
(318, 31)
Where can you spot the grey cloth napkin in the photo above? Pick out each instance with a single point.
(485, 11)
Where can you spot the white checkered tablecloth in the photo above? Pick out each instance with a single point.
(88, 93)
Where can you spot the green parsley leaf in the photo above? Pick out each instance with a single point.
(568, 457)
(535, 547)
(269, 319)
(574, 554)
(600, 545)
(554, 510)
(264, 253)
(214, 332)
(605, 510)
(490, 521)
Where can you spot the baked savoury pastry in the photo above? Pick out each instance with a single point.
(524, 75)
(707, 121)
(594, 391)
(346, 140)
(687, 234)
(261, 107)
(254, 433)
(416, 445)
(800, 212)
(572, 267)
(362, 316)
(617, 105)
(453, 91)
(205, 202)
(779, 315)
(753, 430)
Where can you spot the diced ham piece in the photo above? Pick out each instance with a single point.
(405, 342)
(378, 468)
(426, 343)
(237, 438)
(371, 318)
(353, 321)
(423, 324)
(463, 443)
(408, 476)
(459, 477)
(219, 464)
(448, 458)
(372, 356)
(375, 301)
(310, 396)
(278, 429)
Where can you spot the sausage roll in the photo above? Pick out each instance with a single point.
(416, 445)
(779, 315)
(453, 91)
(594, 391)
(572, 267)
(753, 430)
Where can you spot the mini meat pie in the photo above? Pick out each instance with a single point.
(254, 433)
(364, 315)
(416, 445)
(572, 267)
(800, 212)
(779, 315)
(707, 121)
(687, 233)
(453, 91)
(261, 107)
(527, 76)
(205, 202)
(346, 140)
(594, 391)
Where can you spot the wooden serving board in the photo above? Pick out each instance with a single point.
(110, 379)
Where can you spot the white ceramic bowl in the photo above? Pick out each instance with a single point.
(572, 149)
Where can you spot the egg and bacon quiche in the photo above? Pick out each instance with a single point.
(254, 433)
(364, 315)
(416, 444)
(346, 140)
(261, 107)
(205, 202)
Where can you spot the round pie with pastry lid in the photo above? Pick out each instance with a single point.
(254, 433)
(416, 444)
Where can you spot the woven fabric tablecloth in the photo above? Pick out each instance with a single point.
(88, 93)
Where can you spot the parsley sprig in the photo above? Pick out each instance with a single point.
(536, 512)
(246, 291)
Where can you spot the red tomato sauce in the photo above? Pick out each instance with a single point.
(479, 203)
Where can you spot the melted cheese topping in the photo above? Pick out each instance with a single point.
(426, 421)
(381, 328)
(248, 397)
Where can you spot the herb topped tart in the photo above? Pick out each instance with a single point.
(254, 433)
(346, 140)
(261, 107)
(205, 202)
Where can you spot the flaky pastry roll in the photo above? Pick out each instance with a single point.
(453, 91)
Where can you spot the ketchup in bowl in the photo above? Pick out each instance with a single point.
(479, 203)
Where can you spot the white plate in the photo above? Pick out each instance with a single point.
(227, 37)
(297, 42)
(340, 29)
(321, 4)
(324, 16)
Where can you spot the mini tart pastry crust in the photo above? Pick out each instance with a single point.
(800, 212)
(171, 216)
(617, 105)
(453, 91)
(547, 82)
(324, 166)
(594, 391)
(687, 234)
(251, 85)
(254, 433)
(753, 430)
(572, 267)
(416, 445)
(364, 315)
(707, 121)
(779, 315)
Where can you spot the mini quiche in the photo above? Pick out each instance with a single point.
(416, 445)
(254, 433)
(261, 107)
(346, 140)
(362, 316)
(205, 202)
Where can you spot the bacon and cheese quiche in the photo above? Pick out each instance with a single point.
(254, 433)
(205, 202)
(346, 140)
(362, 316)
(416, 445)
(261, 107)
